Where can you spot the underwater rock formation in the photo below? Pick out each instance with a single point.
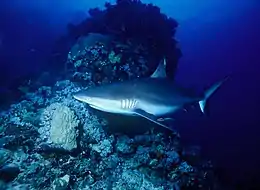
(59, 126)
(49, 140)
(102, 161)
(138, 30)
(93, 59)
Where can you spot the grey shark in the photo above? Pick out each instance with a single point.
(152, 98)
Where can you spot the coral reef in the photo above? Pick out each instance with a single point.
(59, 126)
(100, 59)
(102, 161)
(141, 31)
(49, 140)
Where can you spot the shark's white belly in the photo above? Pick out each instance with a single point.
(157, 109)
(128, 106)
(117, 107)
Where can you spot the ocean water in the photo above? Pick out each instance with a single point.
(217, 39)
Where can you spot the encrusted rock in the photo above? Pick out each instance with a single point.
(4, 156)
(9, 172)
(123, 145)
(61, 183)
(59, 126)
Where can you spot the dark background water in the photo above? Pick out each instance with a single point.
(217, 39)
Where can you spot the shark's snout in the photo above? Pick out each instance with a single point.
(82, 97)
(97, 102)
(76, 97)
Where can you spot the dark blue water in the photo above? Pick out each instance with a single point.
(217, 39)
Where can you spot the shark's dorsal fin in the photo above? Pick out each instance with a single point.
(160, 72)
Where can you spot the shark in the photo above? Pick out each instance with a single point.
(153, 98)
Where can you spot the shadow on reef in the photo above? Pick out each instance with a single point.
(49, 140)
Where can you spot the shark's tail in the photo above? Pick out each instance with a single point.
(208, 94)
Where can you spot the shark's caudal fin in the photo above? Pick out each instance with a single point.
(208, 94)
(160, 72)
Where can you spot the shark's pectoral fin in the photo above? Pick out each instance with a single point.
(151, 117)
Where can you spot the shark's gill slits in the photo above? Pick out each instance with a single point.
(135, 103)
(128, 103)
(123, 104)
(132, 103)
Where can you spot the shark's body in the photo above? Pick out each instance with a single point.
(151, 98)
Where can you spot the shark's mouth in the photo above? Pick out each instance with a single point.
(95, 107)
(98, 108)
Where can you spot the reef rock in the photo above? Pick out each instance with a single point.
(59, 126)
